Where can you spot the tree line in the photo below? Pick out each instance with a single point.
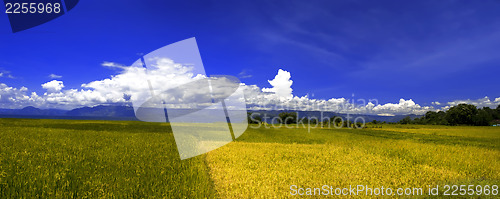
(462, 114)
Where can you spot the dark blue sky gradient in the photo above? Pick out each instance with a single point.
(422, 50)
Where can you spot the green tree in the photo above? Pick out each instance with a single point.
(492, 112)
(461, 114)
(288, 117)
(435, 118)
(254, 118)
(497, 115)
(483, 117)
(406, 120)
(441, 119)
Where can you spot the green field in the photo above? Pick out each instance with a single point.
(124, 159)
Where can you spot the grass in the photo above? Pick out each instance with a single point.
(96, 159)
(123, 159)
(389, 157)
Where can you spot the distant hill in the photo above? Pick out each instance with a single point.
(30, 110)
(92, 113)
(103, 111)
(127, 113)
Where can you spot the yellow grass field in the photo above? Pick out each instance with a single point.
(122, 159)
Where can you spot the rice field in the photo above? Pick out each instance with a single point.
(126, 159)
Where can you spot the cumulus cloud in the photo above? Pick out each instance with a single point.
(135, 84)
(282, 85)
(403, 107)
(53, 86)
(54, 76)
(11, 97)
(280, 97)
(436, 103)
(132, 85)
(482, 102)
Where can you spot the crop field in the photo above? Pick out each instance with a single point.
(128, 159)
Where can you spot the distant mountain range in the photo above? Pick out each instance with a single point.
(92, 113)
(127, 113)
(32, 111)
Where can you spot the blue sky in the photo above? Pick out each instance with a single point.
(426, 51)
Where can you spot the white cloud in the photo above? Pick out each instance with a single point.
(385, 114)
(131, 85)
(11, 97)
(282, 85)
(244, 74)
(482, 102)
(402, 108)
(6, 74)
(164, 74)
(54, 76)
(280, 97)
(53, 86)
(265, 101)
(112, 65)
(132, 81)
